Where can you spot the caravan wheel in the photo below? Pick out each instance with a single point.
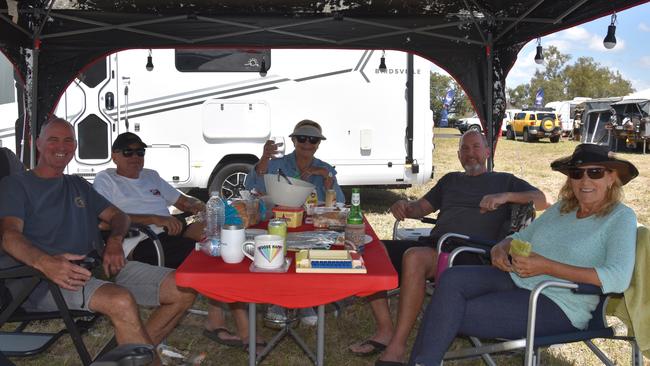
(230, 179)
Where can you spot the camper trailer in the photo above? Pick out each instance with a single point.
(205, 114)
(8, 105)
(565, 111)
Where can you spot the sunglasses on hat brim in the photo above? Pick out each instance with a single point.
(592, 173)
(312, 140)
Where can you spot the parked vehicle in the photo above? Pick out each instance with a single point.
(629, 123)
(594, 114)
(533, 124)
(508, 117)
(205, 114)
(565, 111)
(469, 123)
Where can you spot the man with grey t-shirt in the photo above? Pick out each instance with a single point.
(49, 221)
(473, 203)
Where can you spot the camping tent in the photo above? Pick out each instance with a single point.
(475, 41)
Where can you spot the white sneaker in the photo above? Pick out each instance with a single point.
(308, 317)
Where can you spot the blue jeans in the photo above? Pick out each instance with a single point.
(480, 301)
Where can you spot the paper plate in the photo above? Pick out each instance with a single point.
(252, 233)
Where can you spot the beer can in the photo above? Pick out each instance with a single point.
(278, 226)
(330, 198)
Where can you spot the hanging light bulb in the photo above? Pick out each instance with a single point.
(263, 68)
(149, 66)
(382, 62)
(539, 56)
(610, 39)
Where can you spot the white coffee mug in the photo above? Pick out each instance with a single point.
(268, 251)
(232, 238)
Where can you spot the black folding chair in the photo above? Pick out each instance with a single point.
(20, 343)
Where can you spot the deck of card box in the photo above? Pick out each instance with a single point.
(329, 261)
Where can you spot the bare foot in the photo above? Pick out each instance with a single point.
(370, 346)
(393, 353)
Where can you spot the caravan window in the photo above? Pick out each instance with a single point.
(222, 60)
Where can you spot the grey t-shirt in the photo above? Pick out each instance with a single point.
(59, 214)
(457, 197)
(13, 163)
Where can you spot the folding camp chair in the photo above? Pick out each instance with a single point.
(19, 343)
(532, 344)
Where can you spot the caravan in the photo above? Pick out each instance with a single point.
(8, 105)
(206, 114)
(565, 111)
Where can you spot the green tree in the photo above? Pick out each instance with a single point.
(518, 96)
(552, 78)
(587, 78)
(440, 84)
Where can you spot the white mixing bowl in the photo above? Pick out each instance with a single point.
(285, 194)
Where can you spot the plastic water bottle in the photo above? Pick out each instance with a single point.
(215, 218)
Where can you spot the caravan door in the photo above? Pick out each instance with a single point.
(86, 104)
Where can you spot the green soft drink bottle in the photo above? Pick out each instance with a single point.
(355, 217)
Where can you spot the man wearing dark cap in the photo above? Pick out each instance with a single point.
(145, 197)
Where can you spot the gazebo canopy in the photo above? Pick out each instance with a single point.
(476, 42)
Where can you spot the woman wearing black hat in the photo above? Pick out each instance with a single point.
(588, 236)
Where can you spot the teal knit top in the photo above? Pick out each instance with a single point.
(606, 244)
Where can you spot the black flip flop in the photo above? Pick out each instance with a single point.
(389, 363)
(376, 348)
(214, 335)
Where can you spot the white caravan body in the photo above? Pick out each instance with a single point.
(565, 111)
(206, 128)
(8, 104)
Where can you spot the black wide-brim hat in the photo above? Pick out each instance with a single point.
(592, 154)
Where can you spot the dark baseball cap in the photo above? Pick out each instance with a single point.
(125, 139)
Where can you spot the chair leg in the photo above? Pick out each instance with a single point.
(637, 356)
(487, 359)
(70, 324)
(600, 354)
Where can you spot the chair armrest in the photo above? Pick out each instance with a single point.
(454, 253)
(149, 233)
(586, 289)
(425, 220)
(19, 271)
(469, 241)
(532, 312)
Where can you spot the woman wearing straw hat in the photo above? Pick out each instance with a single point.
(588, 236)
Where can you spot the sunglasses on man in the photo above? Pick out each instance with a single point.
(127, 153)
(592, 173)
(303, 139)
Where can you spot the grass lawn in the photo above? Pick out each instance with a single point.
(527, 160)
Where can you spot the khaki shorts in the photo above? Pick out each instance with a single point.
(141, 279)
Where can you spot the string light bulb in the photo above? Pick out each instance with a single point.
(610, 39)
(382, 62)
(539, 55)
(149, 66)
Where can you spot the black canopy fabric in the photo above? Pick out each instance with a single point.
(476, 42)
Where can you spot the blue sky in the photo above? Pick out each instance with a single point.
(631, 56)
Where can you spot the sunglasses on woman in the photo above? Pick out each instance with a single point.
(312, 140)
(127, 153)
(592, 173)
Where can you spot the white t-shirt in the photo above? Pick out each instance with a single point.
(149, 194)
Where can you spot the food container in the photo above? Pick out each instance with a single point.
(291, 214)
(248, 211)
(329, 218)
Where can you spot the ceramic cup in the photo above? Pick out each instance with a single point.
(232, 239)
(268, 251)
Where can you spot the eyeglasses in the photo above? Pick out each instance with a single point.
(312, 140)
(592, 173)
(127, 153)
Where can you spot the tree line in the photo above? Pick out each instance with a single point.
(559, 79)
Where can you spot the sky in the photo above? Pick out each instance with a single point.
(631, 56)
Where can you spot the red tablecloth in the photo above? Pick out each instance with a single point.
(215, 279)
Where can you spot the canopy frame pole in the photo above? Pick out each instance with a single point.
(489, 123)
